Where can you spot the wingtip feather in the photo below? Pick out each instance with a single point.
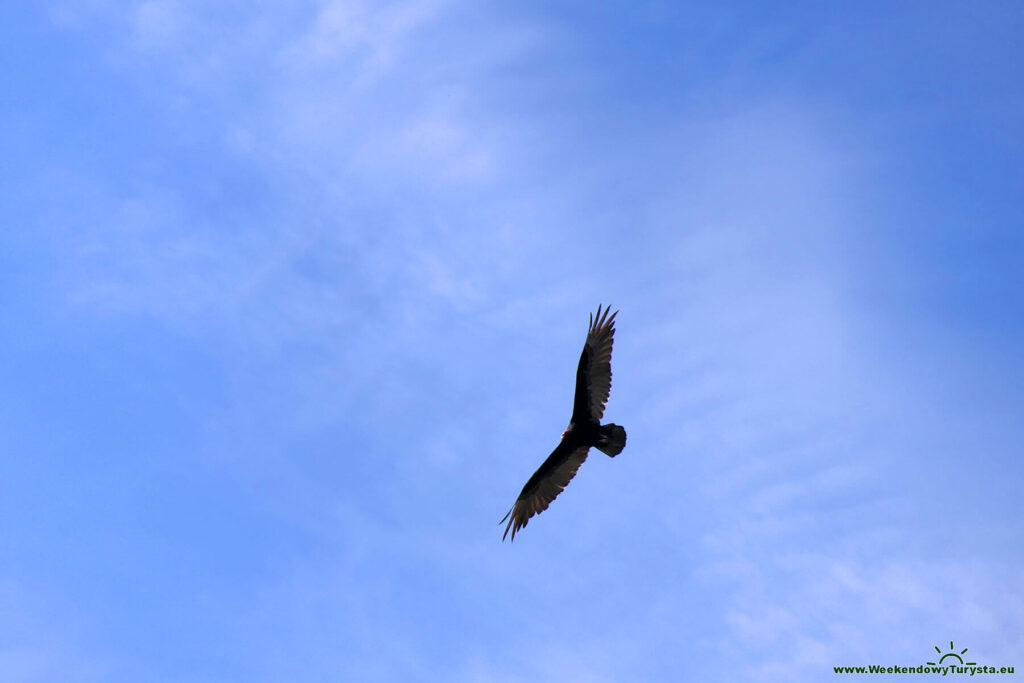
(510, 524)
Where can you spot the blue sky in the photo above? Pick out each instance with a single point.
(294, 294)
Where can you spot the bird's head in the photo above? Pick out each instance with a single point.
(566, 432)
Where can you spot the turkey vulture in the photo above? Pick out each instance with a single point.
(593, 382)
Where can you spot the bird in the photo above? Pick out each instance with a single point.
(593, 383)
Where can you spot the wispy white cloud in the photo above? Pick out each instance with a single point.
(41, 641)
(157, 24)
(340, 105)
(805, 614)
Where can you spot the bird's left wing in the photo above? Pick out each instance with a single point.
(547, 482)
(594, 373)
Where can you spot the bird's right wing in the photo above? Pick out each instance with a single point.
(547, 482)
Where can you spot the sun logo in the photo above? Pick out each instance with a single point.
(951, 653)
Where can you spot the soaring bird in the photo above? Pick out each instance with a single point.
(593, 382)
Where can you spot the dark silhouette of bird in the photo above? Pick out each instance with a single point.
(593, 382)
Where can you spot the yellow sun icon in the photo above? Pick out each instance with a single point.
(951, 653)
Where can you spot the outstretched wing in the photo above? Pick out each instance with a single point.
(594, 373)
(544, 486)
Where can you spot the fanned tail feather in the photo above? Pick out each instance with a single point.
(612, 441)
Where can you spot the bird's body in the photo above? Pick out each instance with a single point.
(585, 431)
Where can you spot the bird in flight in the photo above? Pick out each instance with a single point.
(593, 382)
